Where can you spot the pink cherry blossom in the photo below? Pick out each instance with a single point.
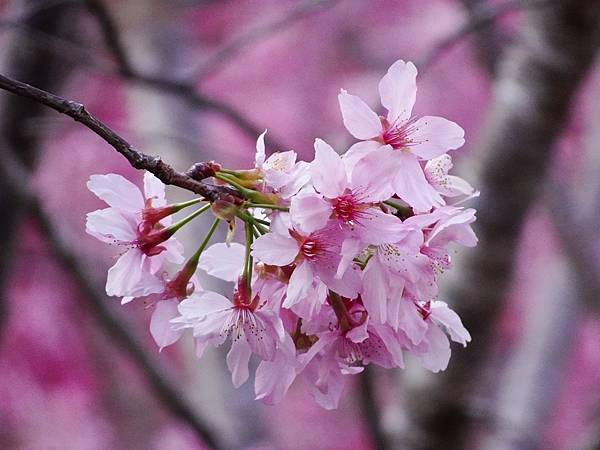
(252, 327)
(412, 139)
(350, 203)
(315, 254)
(147, 245)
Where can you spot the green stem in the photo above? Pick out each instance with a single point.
(258, 223)
(227, 179)
(267, 206)
(180, 206)
(177, 225)
(196, 256)
(248, 257)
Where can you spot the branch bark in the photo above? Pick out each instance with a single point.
(538, 79)
(137, 159)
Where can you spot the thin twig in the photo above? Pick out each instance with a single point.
(15, 178)
(137, 159)
(232, 48)
(478, 18)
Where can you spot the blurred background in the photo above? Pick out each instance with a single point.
(194, 80)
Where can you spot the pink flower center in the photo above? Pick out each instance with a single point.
(310, 248)
(398, 135)
(345, 207)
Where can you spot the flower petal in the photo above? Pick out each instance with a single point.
(433, 136)
(127, 277)
(411, 185)
(309, 212)
(373, 174)
(440, 313)
(299, 284)
(110, 226)
(357, 152)
(237, 362)
(259, 159)
(275, 249)
(160, 327)
(359, 118)
(223, 261)
(327, 170)
(398, 90)
(117, 191)
(154, 189)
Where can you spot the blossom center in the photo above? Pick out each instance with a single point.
(398, 135)
(345, 207)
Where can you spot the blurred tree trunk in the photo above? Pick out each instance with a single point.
(35, 64)
(538, 77)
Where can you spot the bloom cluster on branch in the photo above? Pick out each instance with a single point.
(341, 259)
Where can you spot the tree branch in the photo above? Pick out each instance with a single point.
(137, 159)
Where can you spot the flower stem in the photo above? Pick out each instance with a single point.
(258, 223)
(229, 180)
(180, 206)
(248, 257)
(177, 225)
(267, 206)
(196, 256)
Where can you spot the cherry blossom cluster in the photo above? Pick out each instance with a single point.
(341, 255)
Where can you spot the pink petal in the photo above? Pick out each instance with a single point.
(110, 226)
(261, 335)
(357, 152)
(275, 249)
(259, 159)
(273, 378)
(237, 362)
(411, 322)
(223, 261)
(325, 382)
(438, 354)
(374, 292)
(451, 321)
(154, 189)
(299, 284)
(359, 118)
(378, 228)
(327, 171)
(160, 326)
(309, 212)
(433, 136)
(398, 90)
(373, 174)
(117, 191)
(127, 278)
(411, 185)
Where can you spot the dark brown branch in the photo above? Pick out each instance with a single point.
(137, 159)
(537, 82)
(478, 19)
(232, 48)
(15, 179)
